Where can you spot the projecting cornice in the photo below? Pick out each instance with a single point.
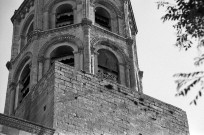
(24, 125)
(133, 18)
(22, 10)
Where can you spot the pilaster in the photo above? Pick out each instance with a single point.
(15, 40)
(86, 24)
(38, 14)
(133, 79)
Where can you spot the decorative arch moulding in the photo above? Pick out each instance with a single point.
(110, 4)
(60, 39)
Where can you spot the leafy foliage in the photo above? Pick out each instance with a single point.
(189, 17)
(187, 81)
(189, 24)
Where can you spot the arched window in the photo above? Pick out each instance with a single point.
(64, 15)
(108, 67)
(102, 18)
(30, 29)
(24, 82)
(63, 54)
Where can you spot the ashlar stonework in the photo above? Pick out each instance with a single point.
(74, 71)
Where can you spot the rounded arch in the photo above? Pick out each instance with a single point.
(103, 17)
(51, 9)
(108, 65)
(52, 5)
(99, 43)
(26, 29)
(27, 23)
(109, 5)
(50, 49)
(26, 59)
(57, 41)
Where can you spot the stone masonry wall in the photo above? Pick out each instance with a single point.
(86, 105)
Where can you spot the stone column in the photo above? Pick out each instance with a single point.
(86, 23)
(46, 20)
(132, 65)
(95, 56)
(127, 72)
(15, 40)
(94, 61)
(126, 13)
(18, 89)
(81, 58)
(38, 19)
(46, 65)
(136, 64)
(40, 67)
(78, 60)
(12, 89)
(8, 93)
(122, 74)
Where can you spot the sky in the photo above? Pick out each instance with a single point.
(158, 58)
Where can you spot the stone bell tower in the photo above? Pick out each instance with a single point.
(74, 68)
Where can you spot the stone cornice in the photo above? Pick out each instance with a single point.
(109, 33)
(24, 125)
(133, 17)
(22, 10)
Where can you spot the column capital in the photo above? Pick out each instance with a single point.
(129, 41)
(41, 59)
(86, 22)
(81, 50)
(141, 74)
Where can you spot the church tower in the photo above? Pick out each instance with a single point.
(74, 68)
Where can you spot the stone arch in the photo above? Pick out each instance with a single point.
(66, 40)
(51, 7)
(104, 43)
(112, 10)
(27, 21)
(109, 5)
(60, 39)
(97, 42)
(26, 58)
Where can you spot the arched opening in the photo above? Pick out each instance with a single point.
(24, 83)
(108, 67)
(63, 54)
(102, 18)
(64, 15)
(30, 29)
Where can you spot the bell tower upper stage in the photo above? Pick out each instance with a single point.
(95, 36)
(74, 68)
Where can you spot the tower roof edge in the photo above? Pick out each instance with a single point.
(17, 12)
(133, 17)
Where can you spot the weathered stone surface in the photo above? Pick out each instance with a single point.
(75, 100)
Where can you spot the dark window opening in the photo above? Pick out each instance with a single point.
(102, 18)
(25, 83)
(63, 54)
(64, 15)
(108, 65)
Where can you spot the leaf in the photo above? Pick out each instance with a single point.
(200, 93)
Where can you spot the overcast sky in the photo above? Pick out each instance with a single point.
(158, 58)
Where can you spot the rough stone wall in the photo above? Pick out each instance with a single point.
(85, 104)
(38, 104)
(42, 98)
